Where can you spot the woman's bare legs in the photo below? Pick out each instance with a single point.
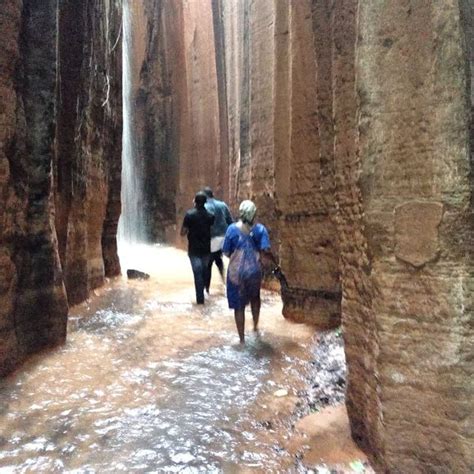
(255, 306)
(240, 318)
(240, 323)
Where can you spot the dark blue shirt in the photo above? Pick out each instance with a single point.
(222, 215)
(258, 235)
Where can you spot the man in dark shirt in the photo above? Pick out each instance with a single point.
(197, 226)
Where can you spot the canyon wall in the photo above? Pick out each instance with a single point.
(88, 142)
(177, 116)
(55, 150)
(33, 305)
(359, 320)
(158, 69)
(349, 123)
(416, 182)
(278, 154)
(308, 239)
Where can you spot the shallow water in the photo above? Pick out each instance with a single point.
(150, 382)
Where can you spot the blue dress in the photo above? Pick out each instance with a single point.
(244, 275)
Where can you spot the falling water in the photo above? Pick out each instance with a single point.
(131, 225)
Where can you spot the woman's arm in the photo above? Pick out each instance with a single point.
(267, 256)
(229, 245)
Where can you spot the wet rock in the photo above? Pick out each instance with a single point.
(177, 109)
(327, 372)
(28, 246)
(59, 165)
(137, 275)
(88, 155)
(327, 438)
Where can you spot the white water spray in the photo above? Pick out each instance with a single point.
(132, 220)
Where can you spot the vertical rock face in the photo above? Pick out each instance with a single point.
(350, 124)
(222, 187)
(159, 67)
(278, 150)
(416, 182)
(33, 301)
(11, 203)
(233, 51)
(88, 143)
(42, 136)
(308, 247)
(199, 161)
(358, 316)
(177, 110)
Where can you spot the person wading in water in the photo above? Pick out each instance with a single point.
(223, 219)
(197, 226)
(245, 243)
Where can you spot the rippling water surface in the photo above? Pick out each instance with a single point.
(150, 382)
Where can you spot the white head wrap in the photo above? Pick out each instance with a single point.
(247, 211)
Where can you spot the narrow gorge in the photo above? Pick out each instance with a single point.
(347, 122)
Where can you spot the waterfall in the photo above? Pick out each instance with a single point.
(132, 220)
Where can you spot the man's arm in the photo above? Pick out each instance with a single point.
(184, 227)
(228, 216)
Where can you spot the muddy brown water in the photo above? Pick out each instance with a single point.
(150, 382)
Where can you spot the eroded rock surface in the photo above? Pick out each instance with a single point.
(177, 109)
(366, 187)
(32, 296)
(350, 125)
(56, 157)
(416, 182)
(88, 141)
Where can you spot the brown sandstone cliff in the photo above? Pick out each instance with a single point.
(33, 306)
(349, 123)
(416, 183)
(177, 116)
(277, 149)
(88, 142)
(63, 130)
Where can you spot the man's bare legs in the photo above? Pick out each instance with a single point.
(255, 306)
(240, 323)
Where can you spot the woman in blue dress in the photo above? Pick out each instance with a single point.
(245, 243)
